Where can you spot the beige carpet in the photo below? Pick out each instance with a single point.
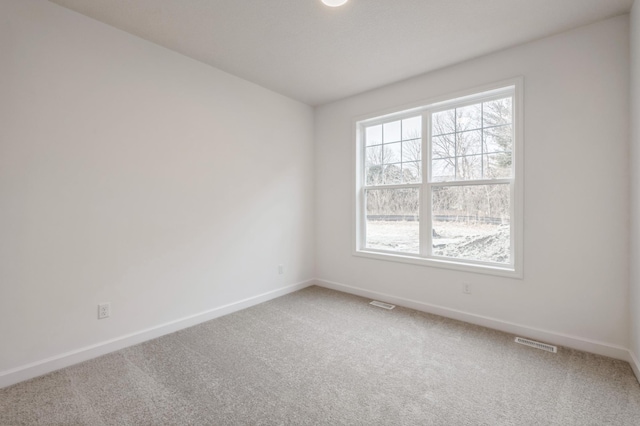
(323, 357)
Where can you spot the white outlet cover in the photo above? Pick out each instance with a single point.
(104, 310)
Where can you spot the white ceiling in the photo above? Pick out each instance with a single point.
(316, 54)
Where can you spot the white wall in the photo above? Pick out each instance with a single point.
(133, 175)
(575, 285)
(634, 299)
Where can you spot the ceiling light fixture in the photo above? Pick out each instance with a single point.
(334, 3)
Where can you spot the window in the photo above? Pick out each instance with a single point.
(440, 185)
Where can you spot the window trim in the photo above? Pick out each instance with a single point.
(444, 102)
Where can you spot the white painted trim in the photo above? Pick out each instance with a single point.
(39, 368)
(513, 87)
(635, 364)
(561, 339)
(465, 266)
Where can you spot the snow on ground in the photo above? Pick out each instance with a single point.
(463, 240)
(394, 235)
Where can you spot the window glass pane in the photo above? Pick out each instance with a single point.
(472, 222)
(469, 143)
(392, 131)
(392, 220)
(469, 167)
(443, 146)
(497, 166)
(411, 172)
(373, 135)
(392, 153)
(469, 118)
(411, 150)
(374, 175)
(443, 170)
(498, 139)
(479, 148)
(412, 128)
(373, 155)
(373, 167)
(443, 122)
(393, 174)
(498, 112)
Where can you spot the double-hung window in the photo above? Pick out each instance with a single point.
(441, 185)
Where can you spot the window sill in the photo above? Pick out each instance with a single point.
(441, 263)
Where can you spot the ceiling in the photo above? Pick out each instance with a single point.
(316, 54)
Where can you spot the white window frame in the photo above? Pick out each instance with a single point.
(426, 108)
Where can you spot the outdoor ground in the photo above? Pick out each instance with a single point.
(451, 239)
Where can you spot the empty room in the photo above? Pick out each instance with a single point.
(319, 212)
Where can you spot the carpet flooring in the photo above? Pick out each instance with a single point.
(321, 357)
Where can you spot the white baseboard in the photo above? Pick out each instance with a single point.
(635, 364)
(39, 368)
(575, 342)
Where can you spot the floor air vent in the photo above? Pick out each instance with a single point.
(382, 305)
(538, 345)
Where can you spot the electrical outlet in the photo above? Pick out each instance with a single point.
(104, 310)
(280, 269)
(466, 288)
